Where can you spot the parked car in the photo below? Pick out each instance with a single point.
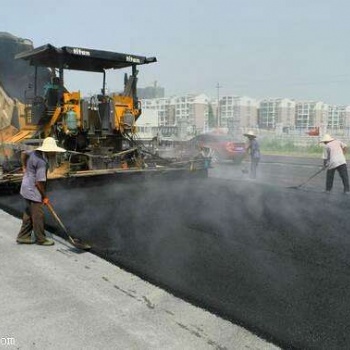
(222, 147)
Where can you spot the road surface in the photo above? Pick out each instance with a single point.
(272, 259)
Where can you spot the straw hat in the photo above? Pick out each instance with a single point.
(327, 138)
(49, 145)
(250, 134)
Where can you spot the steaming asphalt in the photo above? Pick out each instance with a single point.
(280, 171)
(272, 259)
(59, 298)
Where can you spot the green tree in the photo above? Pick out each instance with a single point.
(211, 117)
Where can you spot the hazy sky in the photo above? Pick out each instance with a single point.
(259, 48)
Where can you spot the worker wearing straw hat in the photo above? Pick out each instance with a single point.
(334, 159)
(254, 150)
(35, 165)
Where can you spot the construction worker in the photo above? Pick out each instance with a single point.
(206, 153)
(35, 166)
(334, 159)
(253, 149)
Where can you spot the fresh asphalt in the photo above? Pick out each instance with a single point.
(272, 259)
(60, 298)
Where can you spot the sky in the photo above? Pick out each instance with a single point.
(258, 48)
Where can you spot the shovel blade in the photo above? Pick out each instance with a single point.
(78, 243)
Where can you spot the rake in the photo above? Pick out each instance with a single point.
(308, 180)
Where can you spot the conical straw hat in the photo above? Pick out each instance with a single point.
(327, 138)
(49, 145)
(250, 134)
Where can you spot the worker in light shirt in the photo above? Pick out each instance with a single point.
(334, 159)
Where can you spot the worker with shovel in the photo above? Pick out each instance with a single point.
(35, 166)
(334, 159)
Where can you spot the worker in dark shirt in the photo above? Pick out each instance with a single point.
(254, 150)
(35, 166)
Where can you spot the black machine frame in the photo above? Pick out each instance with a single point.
(81, 59)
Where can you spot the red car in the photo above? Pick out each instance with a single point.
(222, 147)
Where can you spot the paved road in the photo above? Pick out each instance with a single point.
(272, 259)
(54, 298)
(281, 171)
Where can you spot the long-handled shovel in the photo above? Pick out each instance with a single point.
(309, 179)
(74, 241)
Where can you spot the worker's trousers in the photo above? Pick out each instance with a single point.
(33, 219)
(253, 165)
(343, 173)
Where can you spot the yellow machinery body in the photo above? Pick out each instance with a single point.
(93, 128)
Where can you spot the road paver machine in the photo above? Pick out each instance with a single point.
(97, 130)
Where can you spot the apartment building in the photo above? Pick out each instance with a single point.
(147, 126)
(190, 108)
(338, 117)
(199, 112)
(347, 117)
(164, 108)
(238, 112)
(276, 112)
(310, 114)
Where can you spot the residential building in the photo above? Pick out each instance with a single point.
(191, 109)
(238, 112)
(147, 126)
(197, 113)
(164, 108)
(337, 116)
(347, 118)
(310, 114)
(278, 112)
